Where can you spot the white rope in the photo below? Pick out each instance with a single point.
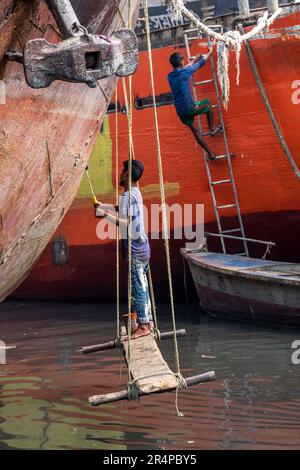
(223, 64)
(230, 40)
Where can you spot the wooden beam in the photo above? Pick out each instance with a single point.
(123, 395)
(170, 334)
(99, 347)
(113, 344)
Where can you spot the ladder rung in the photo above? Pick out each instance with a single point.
(223, 156)
(221, 182)
(231, 231)
(192, 30)
(203, 82)
(215, 106)
(227, 206)
(209, 133)
(240, 254)
(220, 157)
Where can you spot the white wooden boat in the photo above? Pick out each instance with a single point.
(246, 288)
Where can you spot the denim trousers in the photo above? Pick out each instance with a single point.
(140, 290)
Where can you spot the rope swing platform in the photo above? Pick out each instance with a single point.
(149, 371)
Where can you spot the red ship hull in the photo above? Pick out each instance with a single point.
(268, 189)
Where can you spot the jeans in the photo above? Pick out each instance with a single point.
(140, 290)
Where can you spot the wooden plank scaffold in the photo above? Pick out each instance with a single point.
(149, 370)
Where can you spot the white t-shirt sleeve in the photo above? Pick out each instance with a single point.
(124, 209)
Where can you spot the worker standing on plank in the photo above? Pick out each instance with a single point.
(140, 248)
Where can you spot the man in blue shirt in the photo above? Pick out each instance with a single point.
(187, 108)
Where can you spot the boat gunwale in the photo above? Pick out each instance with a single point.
(245, 273)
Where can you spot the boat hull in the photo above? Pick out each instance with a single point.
(244, 289)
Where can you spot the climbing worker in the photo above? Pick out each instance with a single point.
(140, 248)
(186, 107)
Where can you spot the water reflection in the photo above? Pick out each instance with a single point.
(45, 384)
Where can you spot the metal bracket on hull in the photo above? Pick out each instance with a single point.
(81, 57)
(84, 59)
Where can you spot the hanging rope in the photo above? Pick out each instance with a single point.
(127, 105)
(131, 143)
(223, 64)
(120, 13)
(157, 332)
(117, 228)
(180, 380)
(229, 40)
(91, 186)
(118, 236)
(267, 252)
(153, 305)
(132, 389)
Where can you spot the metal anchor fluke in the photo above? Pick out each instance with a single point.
(81, 57)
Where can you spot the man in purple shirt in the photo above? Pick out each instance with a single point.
(187, 108)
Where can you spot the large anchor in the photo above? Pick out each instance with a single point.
(80, 57)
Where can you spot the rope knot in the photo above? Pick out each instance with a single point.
(157, 334)
(233, 40)
(181, 383)
(132, 390)
(263, 24)
(175, 8)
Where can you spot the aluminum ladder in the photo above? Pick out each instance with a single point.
(191, 35)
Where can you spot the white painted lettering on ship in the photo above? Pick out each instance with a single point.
(296, 354)
(2, 353)
(2, 92)
(296, 94)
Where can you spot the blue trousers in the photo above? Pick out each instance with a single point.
(140, 290)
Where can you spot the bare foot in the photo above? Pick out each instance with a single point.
(142, 330)
(216, 130)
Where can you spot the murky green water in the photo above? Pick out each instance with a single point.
(44, 387)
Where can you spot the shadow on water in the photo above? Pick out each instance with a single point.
(44, 387)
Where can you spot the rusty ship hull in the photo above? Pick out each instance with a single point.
(46, 136)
